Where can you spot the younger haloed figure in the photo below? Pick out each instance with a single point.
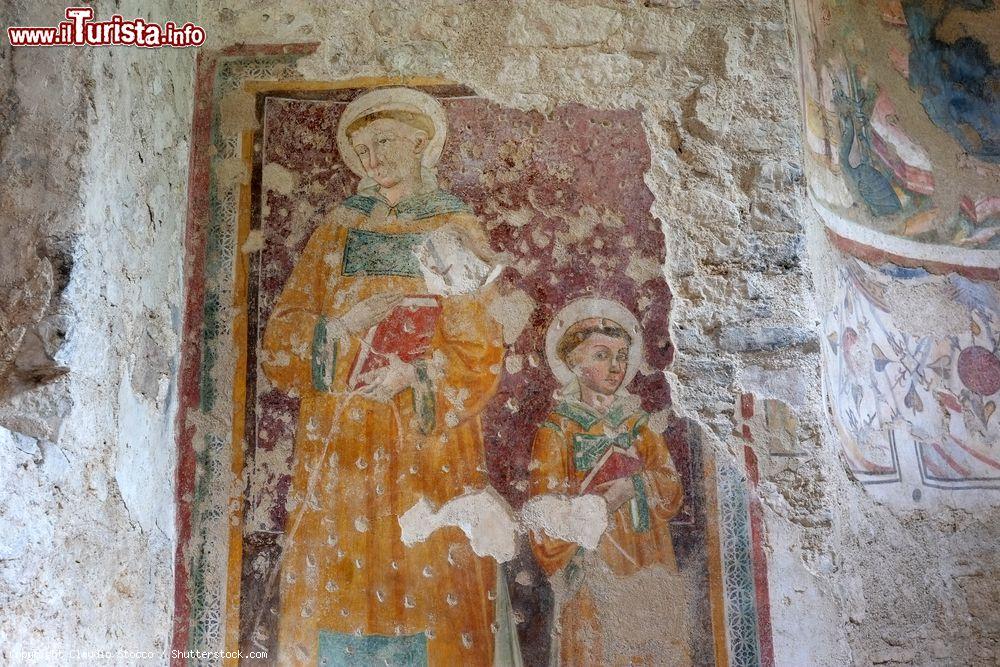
(595, 413)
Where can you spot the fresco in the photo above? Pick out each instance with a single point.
(454, 392)
(956, 71)
(598, 438)
(912, 407)
(901, 117)
(449, 438)
(900, 121)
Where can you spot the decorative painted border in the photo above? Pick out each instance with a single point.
(210, 457)
(933, 425)
(744, 561)
(197, 591)
(876, 247)
(737, 567)
(747, 407)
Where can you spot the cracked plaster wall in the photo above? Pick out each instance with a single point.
(716, 80)
(94, 151)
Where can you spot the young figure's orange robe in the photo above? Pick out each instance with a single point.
(623, 548)
(345, 570)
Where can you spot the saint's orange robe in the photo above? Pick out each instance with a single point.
(638, 534)
(345, 570)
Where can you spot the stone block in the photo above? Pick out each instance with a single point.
(745, 339)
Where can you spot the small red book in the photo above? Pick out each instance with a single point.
(616, 463)
(406, 333)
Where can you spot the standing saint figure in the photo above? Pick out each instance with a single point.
(597, 440)
(370, 443)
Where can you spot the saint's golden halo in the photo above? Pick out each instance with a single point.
(393, 99)
(586, 308)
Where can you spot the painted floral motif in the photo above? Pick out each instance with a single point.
(899, 399)
(979, 370)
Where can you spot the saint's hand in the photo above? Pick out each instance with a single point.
(367, 313)
(382, 384)
(617, 492)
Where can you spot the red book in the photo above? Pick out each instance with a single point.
(616, 463)
(406, 332)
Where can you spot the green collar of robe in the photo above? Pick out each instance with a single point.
(415, 207)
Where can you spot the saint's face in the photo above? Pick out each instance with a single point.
(600, 362)
(389, 151)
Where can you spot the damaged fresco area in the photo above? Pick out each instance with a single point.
(454, 437)
(899, 128)
(385, 422)
(901, 118)
(915, 405)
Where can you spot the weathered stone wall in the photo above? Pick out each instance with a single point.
(94, 190)
(863, 582)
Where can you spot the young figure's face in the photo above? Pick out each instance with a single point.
(389, 150)
(600, 362)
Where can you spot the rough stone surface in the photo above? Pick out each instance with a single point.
(94, 152)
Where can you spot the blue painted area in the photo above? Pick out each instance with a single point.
(437, 202)
(959, 81)
(416, 207)
(975, 295)
(361, 203)
(875, 186)
(370, 253)
(337, 649)
(904, 272)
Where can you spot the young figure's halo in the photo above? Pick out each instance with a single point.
(393, 99)
(583, 309)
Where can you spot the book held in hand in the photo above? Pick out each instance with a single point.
(406, 333)
(616, 463)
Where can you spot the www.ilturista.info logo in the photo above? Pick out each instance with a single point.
(80, 30)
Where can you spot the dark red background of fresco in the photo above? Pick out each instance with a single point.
(484, 163)
(608, 154)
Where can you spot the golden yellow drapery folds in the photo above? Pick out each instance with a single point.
(345, 569)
